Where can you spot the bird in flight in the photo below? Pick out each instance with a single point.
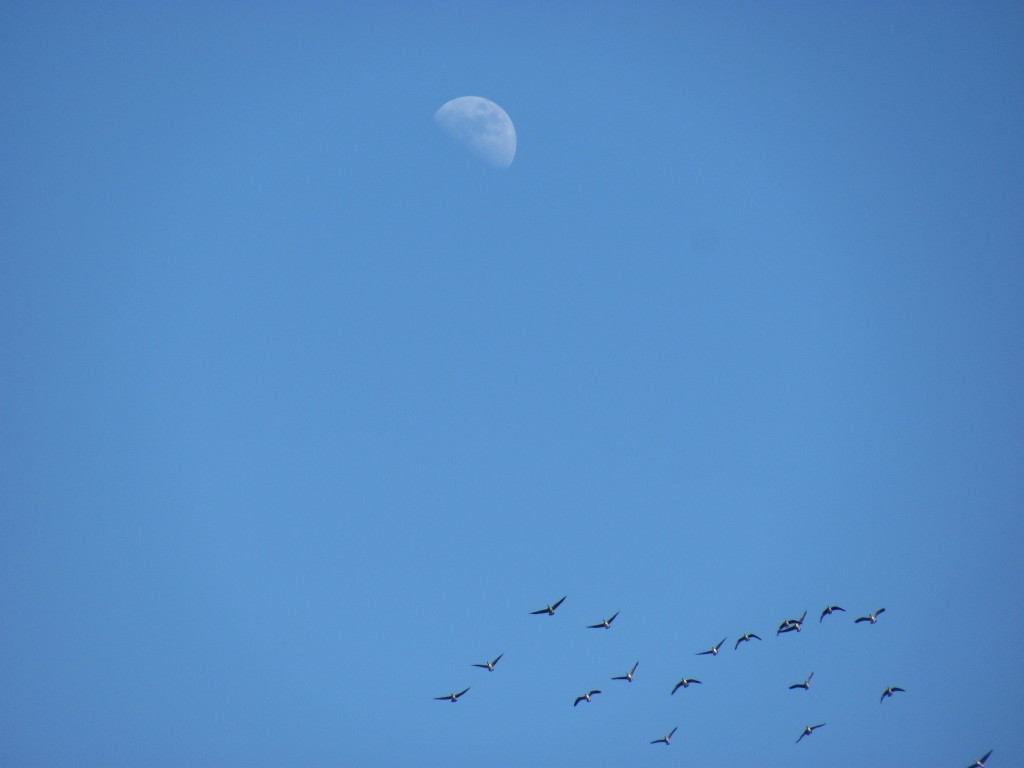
(806, 684)
(585, 697)
(713, 651)
(809, 730)
(667, 739)
(452, 697)
(889, 692)
(606, 624)
(685, 683)
(550, 610)
(980, 763)
(789, 625)
(829, 610)
(745, 638)
(489, 666)
(628, 677)
(872, 617)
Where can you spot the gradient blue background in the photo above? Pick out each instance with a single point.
(304, 408)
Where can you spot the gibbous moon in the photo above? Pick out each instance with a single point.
(480, 125)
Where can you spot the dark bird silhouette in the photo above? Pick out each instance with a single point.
(585, 697)
(606, 624)
(452, 697)
(829, 611)
(980, 763)
(550, 610)
(713, 651)
(628, 677)
(872, 617)
(809, 730)
(667, 739)
(889, 692)
(489, 666)
(806, 684)
(790, 625)
(745, 638)
(685, 683)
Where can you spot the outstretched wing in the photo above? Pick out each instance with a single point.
(553, 607)
(581, 698)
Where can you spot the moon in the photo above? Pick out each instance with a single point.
(481, 126)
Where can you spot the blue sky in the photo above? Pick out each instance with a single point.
(304, 408)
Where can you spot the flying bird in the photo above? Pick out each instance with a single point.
(585, 697)
(809, 730)
(489, 666)
(628, 677)
(872, 618)
(668, 739)
(745, 638)
(685, 683)
(606, 624)
(889, 692)
(452, 697)
(829, 610)
(790, 625)
(980, 763)
(806, 684)
(550, 610)
(713, 651)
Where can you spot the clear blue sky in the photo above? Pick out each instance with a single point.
(304, 408)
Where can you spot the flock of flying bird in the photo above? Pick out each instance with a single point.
(789, 625)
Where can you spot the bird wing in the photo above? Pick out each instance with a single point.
(824, 614)
(678, 686)
(802, 735)
(621, 677)
(720, 643)
(581, 698)
(595, 626)
(542, 610)
(796, 685)
(593, 692)
(496, 660)
(461, 692)
(897, 689)
(880, 611)
(703, 653)
(862, 618)
(986, 756)
(670, 734)
(738, 643)
(698, 682)
(482, 666)
(754, 636)
(442, 698)
(558, 603)
(634, 668)
(658, 741)
(809, 677)
(816, 726)
(613, 617)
